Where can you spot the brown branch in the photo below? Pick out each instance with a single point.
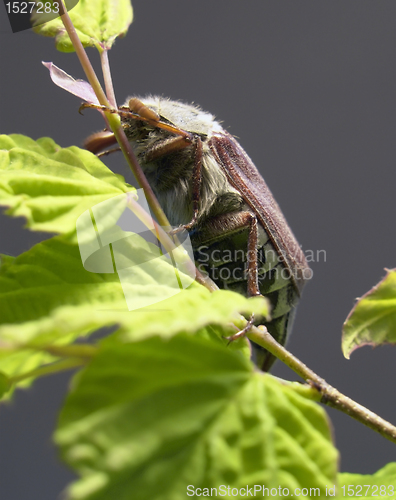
(325, 393)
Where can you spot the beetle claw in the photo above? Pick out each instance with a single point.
(241, 333)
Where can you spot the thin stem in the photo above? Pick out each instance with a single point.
(59, 366)
(82, 56)
(104, 59)
(83, 351)
(114, 121)
(116, 127)
(326, 394)
(66, 351)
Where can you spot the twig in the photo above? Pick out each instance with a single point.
(326, 394)
(82, 56)
(113, 119)
(115, 124)
(104, 59)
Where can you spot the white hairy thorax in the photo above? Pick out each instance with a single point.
(171, 176)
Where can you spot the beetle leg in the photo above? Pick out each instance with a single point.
(100, 107)
(107, 152)
(232, 223)
(166, 147)
(235, 222)
(99, 140)
(242, 332)
(196, 186)
(252, 281)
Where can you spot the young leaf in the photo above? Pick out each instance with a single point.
(382, 484)
(97, 22)
(372, 321)
(79, 88)
(52, 186)
(148, 419)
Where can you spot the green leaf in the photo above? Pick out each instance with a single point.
(52, 186)
(34, 285)
(382, 484)
(372, 321)
(6, 259)
(5, 384)
(46, 277)
(147, 419)
(47, 297)
(49, 283)
(97, 22)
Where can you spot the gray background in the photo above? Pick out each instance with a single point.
(309, 89)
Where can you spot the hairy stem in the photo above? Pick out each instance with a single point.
(324, 392)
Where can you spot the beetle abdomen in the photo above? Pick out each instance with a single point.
(225, 261)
